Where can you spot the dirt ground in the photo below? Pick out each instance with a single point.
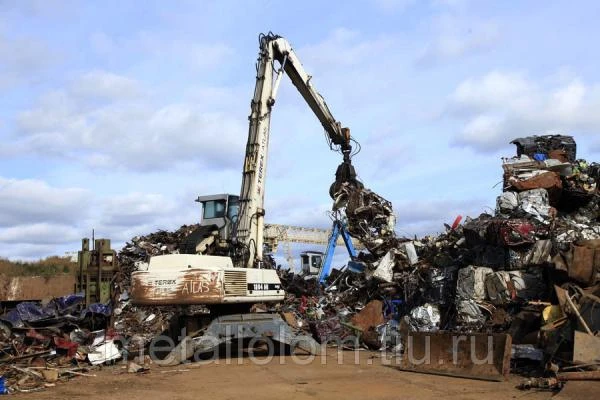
(280, 378)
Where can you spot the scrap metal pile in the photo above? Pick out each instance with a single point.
(140, 324)
(44, 343)
(530, 270)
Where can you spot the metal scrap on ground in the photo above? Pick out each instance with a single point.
(527, 274)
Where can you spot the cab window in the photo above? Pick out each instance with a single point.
(316, 261)
(233, 210)
(304, 258)
(214, 209)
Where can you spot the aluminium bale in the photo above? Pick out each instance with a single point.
(425, 318)
(507, 203)
(536, 204)
(469, 313)
(510, 232)
(505, 287)
(470, 284)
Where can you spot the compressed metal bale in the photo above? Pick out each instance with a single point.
(539, 253)
(425, 318)
(494, 257)
(470, 284)
(536, 204)
(507, 202)
(468, 312)
(510, 232)
(504, 287)
(546, 180)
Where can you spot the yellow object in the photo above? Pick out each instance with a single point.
(552, 313)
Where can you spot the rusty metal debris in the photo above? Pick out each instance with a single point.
(477, 356)
(370, 217)
(491, 274)
(140, 324)
(43, 343)
(528, 273)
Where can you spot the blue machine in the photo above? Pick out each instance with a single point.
(339, 228)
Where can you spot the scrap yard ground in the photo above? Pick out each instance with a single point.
(367, 380)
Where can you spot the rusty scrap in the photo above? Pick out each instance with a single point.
(476, 356)
(579, 376)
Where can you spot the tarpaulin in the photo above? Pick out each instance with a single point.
(57, 310)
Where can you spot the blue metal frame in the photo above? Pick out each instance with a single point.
(339, 228)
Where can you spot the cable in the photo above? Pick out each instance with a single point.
(357, 147)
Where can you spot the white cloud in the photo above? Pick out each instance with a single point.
(394, 5)
(137, 208)
(22, 59)
(125, 216)
(457, 38)
(494, 90)
(107, 85)
(298, 210)
(163, 49)
(37, 220)
(422, 217)
(499, 106)
(119, 132)
(344, 47)
(27, 201)
(484, 131)
(40, 234)
(29, 251)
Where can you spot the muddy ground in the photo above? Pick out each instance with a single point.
(281, 378)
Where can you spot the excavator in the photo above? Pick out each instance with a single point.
(225, 270)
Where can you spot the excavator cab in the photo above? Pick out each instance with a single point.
(219, 209)
(219, 214)
(311, 262)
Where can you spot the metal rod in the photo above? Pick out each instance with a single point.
(576, 311)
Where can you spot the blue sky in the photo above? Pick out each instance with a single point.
(115, 115)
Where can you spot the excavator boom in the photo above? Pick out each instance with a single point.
(248, 231)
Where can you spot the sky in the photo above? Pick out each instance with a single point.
(116, 115)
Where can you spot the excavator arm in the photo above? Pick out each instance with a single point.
(290, 64)
(248, 230)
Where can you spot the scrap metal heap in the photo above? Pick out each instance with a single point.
(53, 341)
(43, 343)
(370, 217)
(516, 271)
(531, 270)
(140, 324)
